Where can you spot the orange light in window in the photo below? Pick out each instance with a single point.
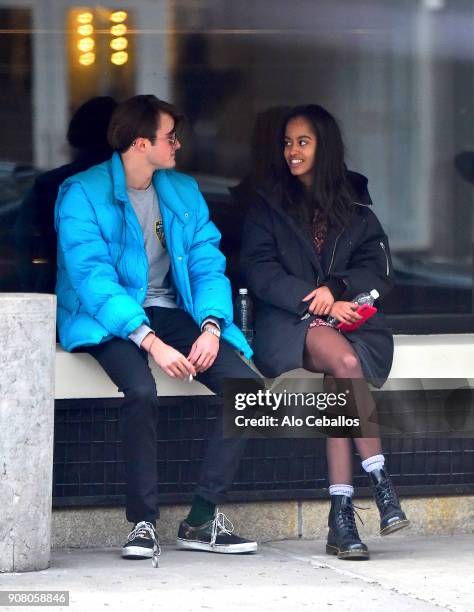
(86, 59)
(85, 17)
(118, 16)
(86, 44)
(118, 30)
(119, 44)
(85, 30)
(119, 58)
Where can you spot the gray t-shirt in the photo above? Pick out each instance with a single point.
(160, 289)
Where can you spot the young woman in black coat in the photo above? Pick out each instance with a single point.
(311, 243)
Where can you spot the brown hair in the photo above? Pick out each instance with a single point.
(138, 117)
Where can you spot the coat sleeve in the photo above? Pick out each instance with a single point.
(210, 288)
(370, 263)
(89, 265)
(265, 275)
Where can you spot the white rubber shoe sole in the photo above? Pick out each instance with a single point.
(230, 549)
(136, 552)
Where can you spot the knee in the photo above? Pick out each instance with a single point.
(348, 366)
(141, 394)
(139, 409)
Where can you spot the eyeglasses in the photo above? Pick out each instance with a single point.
(172, 139)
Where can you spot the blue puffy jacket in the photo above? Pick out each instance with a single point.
(102, 263)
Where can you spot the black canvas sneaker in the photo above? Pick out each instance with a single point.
(142, 543)
(217, 535)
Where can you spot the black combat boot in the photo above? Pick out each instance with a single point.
(343, 537)
(392, 517)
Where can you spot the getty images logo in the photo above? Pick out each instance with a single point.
(285, 399)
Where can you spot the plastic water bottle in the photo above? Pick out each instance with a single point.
(367, 298)
(361, 300)
(244, 314)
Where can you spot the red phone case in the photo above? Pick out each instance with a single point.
(365, 312)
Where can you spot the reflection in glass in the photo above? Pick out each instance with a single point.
(397, 74)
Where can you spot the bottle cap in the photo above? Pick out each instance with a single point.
(375, 294)
(243, 291)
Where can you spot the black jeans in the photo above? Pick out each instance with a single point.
(127, 366)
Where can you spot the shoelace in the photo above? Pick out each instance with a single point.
(385, 494)
(357, 514)
(220, 524)
(346, 519)
(143, 529)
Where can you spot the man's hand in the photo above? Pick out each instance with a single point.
(321, 301)
(171, 361)
(345, 312)
(204, 351)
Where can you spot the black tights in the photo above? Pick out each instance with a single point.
(328, 351)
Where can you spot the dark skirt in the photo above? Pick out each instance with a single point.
(280, 339)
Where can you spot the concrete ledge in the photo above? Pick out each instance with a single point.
(264, 521)
(435, 356)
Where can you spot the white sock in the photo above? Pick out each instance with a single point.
(341, 489)
(373, 463)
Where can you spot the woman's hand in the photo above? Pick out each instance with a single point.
(321, 301)
(345, 312)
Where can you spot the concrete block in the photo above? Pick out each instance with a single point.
(264, 521)
(99, 527)
(27, 338)
(440, 515)
(427, 515)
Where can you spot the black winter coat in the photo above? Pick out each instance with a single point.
(280, 265)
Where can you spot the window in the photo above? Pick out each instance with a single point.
(398, 75)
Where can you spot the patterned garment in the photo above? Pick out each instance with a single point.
(318, 322)
(319, 230)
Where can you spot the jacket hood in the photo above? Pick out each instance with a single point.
(360, 191)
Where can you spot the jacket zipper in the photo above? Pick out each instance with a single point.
(334, 251)
(306, 314)
(386, 257)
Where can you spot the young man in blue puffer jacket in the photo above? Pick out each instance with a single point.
(140, 274)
